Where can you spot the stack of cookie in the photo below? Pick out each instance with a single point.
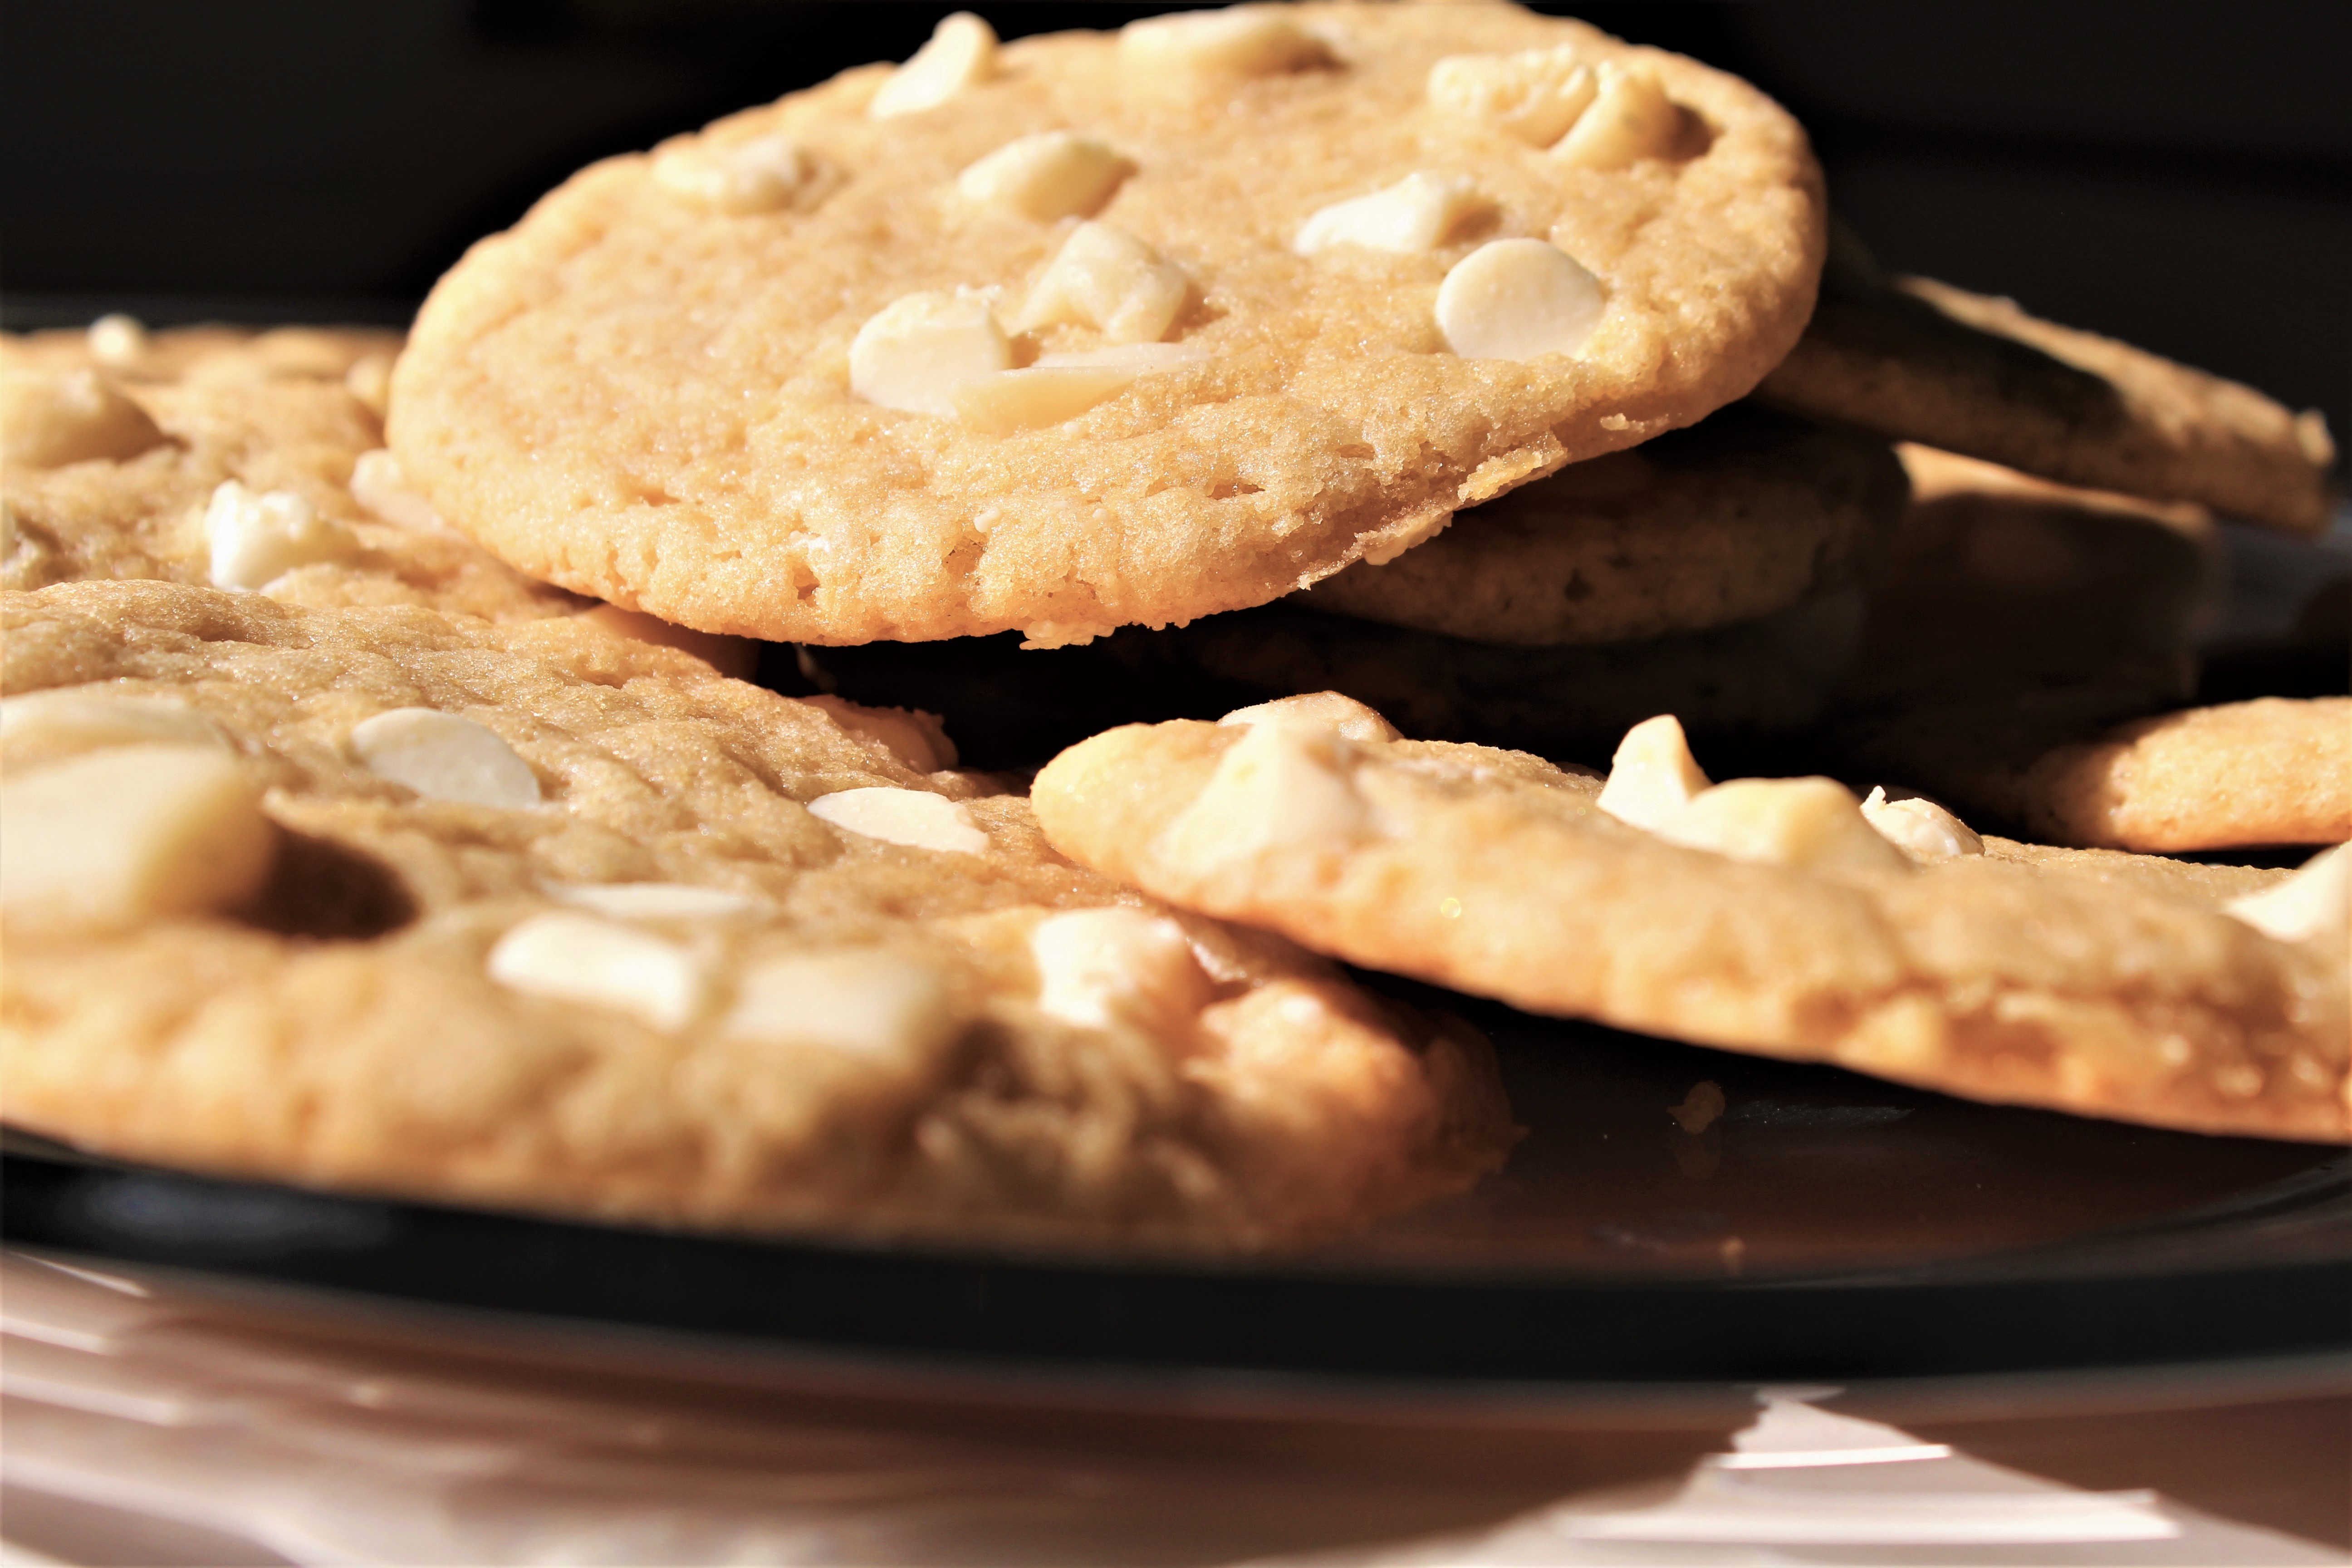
(389, 804)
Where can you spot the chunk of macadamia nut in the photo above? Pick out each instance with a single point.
(1098, 968)
(1279, 786)
(1047, 175)
(913, 353)
(1236, 41)
(764, 174)
(122, 836)
(1815, 823)
(1412, 217)
(1518, 300)
(961, 51)
(915, 818)
(2313, 905)
(1631, 119)
(862, 1003)
(1532, 95)
(1107, 278)
(1920, 827)
(256, 538)
(594, 962)
(446, 757)
(49, 418)
(1654, 776)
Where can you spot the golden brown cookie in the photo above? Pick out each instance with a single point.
(1771, 916)
(234, 459)
(2273, 771)
(528, 915)
(1916, 359)
(1100, 329)
(1740, 516)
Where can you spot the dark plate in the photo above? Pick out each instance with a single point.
(1825, 1228)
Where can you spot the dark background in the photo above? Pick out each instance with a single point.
(2177, 174)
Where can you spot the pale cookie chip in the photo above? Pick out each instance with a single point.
(276, 414)
(445, 756)
(1919, 827)
(2313, 905)
(671, 993)
(1799, 933)
(827, 423)
(1745, 514)
(2276, 770)
(913, 817)
(53, 418)
(1915, 360)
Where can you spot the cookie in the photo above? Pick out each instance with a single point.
(1774, 916)
(523, 915)
(1915, 360)
(2273, 771)
(1743, 514)
(1100, 329)
(2016, 615)
(237, 459)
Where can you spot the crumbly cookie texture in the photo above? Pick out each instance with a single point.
(1916, 359)
(315, 512)
(1742, 515)
(1065, 337)
(553, 920)
(2273, 771)
(2017, 615)
(1763, 915)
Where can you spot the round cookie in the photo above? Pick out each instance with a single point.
(1025, 339)
(1768, 916)
(144, 429)
(1914, 360)
(2272, 771)
(1743, 514)
(524, 914)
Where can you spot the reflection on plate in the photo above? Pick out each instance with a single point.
(1821, 1226)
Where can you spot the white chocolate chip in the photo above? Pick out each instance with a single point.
(117, 341)
(860, 1002)
(1239, 41)
(765, 174)
(63, 723)
(379, 486)
(1812, 823)
(1533, 94)
(1280, 787)
(915, 817)
(655, 900)
(579, 958)
(731, 656)
(2317, 901)
(1037, 397)
(1652, 775)
(1631, 119)
(915, 738)
(1048, 175)
(1518, 300)
(915, 351)
(257, 539)
(961, 51)
(50, 418)
(1412, 217)
(1920, 827)
(1332, 711)
(1107, 278)
(131, 834)
(443, 757)
(1100, 967)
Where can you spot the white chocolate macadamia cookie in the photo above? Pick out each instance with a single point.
(833, 370)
